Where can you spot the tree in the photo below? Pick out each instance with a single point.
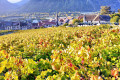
(66, 14)
(81, 20)
(66, 24)
(105, 10)
(115, 19)
(72, 14)
(113, 15)
(76, 21)
(76, 24)
(119, 21)
(119, 11)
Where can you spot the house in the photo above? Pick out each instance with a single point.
(43, 23)
(16, 25)
(25, 25)
(61, 21)
(70, 18)
(35, 24)
(1, 26)
(70, 22)
(12, 25)
(80, 17)
(95, 19)
(7, 25)
(65, 20)
(52, 20)
(47, 23)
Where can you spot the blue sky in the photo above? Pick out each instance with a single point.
(14, 1)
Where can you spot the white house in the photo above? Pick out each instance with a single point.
(95, 19)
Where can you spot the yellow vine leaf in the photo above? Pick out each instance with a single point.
(2, 65)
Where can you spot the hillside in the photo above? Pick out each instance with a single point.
(59, 53)
(23, 2)
(69, 5)
(5, 6)
(57, 5)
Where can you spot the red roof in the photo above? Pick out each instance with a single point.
(80, 17)
(90, 17)
(49, 23)
(44, 22)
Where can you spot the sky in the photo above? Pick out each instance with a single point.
(14, 1)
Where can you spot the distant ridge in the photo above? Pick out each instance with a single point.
(57, 5)
(5, 6)
(69, 5)
(23, 2)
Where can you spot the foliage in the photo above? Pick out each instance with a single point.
(115, 19)
(113, 15)
(119, 21)
(2, 32)
(81, 20)
(80, 53)
(105, 10)
(42, 27)
(66, 24)
(76, 21)
(118, 10)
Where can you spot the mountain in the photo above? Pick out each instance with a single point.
(5, 6)
(21, 3)
(68, 5)
(57, 5)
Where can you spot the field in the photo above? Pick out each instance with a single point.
(79, 53)
(3, 32)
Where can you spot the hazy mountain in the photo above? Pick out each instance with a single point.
(57, 5)
(22, 2)
(69, 5)
(5, 6)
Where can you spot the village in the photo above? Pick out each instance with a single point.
(46, 20)
(91, 19)
(59, 39)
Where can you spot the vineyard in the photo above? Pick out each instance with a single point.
(79, 53)
(3, 32)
